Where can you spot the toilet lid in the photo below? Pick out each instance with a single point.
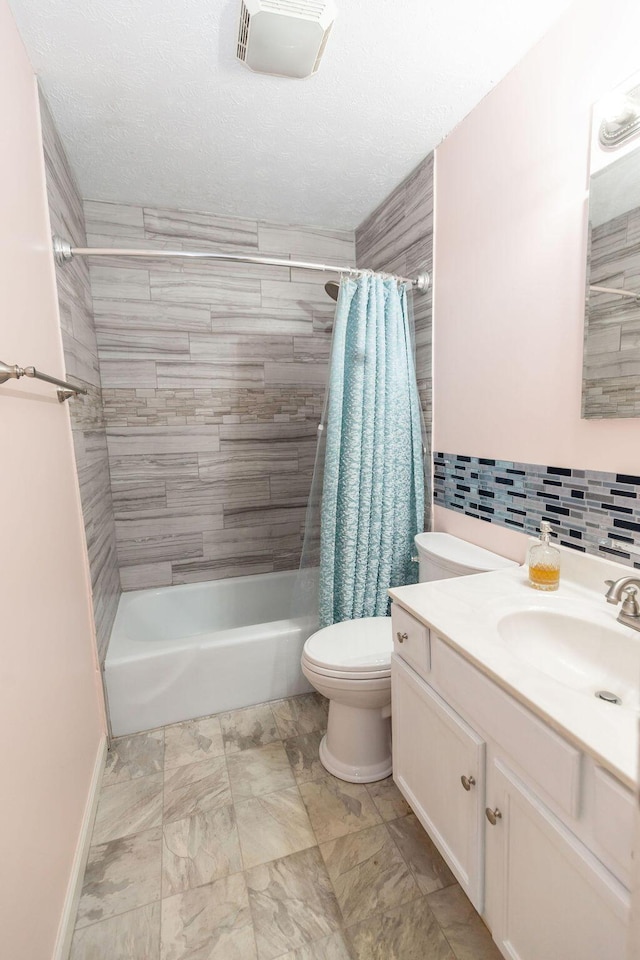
(363, 646)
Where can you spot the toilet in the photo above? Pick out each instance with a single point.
(350, 664)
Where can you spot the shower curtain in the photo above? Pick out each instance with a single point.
(367, 498)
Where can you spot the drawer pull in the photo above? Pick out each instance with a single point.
(493, 816)
(468, 782)
(402, 637)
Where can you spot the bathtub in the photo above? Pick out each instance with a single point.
(181, 652)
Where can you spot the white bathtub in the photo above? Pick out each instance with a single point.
(181, 652)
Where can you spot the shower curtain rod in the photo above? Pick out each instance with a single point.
(64, 252)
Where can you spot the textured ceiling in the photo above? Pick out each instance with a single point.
(154, 108)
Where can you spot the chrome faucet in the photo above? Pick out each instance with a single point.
(630, 611)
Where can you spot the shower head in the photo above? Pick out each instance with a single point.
(333, 288)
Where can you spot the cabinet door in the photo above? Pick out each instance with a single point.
(547, 895)
(433, 750)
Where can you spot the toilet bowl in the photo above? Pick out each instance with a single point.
(350, 664)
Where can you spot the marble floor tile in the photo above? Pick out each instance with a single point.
(332, 947)
(408, 932)
(251, 727)
(421, 855)
(209, 923)
(196, 788)
(292, 903)
(337, 808)
(121, 875)
(192, 741)
(299, 715)
(256, 772)
(128, 807)
(303, 756)
(462, 926)
(133, 757)
(129, 936)
(388, 800)
(199, 849)
(368, 874)
(273, 826)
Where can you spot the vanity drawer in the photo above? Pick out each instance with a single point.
(411, 640)
(541, 754)
(614, 827)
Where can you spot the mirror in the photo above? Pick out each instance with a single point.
(611, 369)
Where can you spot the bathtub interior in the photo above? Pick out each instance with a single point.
(183, 612)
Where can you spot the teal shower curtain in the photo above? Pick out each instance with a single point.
(372, 501)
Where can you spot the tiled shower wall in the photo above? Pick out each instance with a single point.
(81, 361)
(611, 385)
(213, 379)
(398, 238)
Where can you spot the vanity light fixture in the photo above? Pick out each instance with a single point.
(622, 121)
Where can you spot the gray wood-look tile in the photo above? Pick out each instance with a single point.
(115, 219)
(258, 321)
(299, 373)
(207, 374)
(115, 344)
(336, 246)
(119, 283)
(131, 441)
(121, 875)
(224, 233)
(146, 575)
(81, 361)
(245, 348)
(153, 316)
(199, 286)
(128, 373)
(252, 460)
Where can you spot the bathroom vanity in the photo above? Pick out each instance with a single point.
(521, 775)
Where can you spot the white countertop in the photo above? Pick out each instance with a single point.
(465, 611)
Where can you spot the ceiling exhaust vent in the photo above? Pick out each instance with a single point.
(285, 38)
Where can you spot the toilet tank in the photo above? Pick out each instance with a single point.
(442, 556)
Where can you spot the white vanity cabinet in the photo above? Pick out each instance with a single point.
(439, 764)
(503, 797)
(547, 895)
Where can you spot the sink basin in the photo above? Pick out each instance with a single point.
(581, 652)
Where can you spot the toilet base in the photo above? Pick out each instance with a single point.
(357, 744)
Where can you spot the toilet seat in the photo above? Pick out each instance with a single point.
(351, 650)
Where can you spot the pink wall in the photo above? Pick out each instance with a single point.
(51, 719)
(511, 190)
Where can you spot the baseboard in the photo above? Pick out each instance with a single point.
(74, 889)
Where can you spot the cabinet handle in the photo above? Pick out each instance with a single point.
(402, 637)
(468, 782)
(493, 816)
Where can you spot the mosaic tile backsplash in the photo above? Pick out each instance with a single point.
(591, 511)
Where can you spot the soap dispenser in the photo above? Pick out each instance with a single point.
(544, 561)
